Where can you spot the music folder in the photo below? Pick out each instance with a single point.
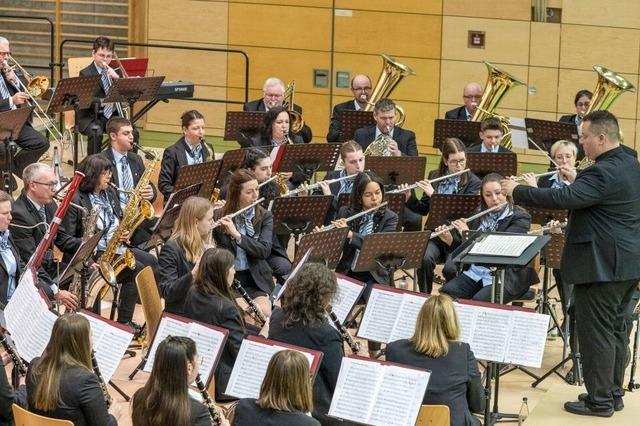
(347, 295)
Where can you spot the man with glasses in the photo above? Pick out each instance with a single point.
(361, 90)
(32, 214)
(471, 96)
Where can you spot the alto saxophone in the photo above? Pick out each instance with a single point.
(89, 225)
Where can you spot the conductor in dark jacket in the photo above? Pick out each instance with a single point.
(361, 89)
(601, 256)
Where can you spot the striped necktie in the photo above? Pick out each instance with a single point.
(126, 179)
(107, 109)
(42, 214)
(4, 90)
(367, 226)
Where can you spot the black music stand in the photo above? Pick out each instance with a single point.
(467, 131)
(389, 251)
(398, 170)
(444, 208)
(353, 120)
(132, 90)
(545, 133)
(233, 159)
(205, 174)
(239, 122)
(542, 216)
(297, 215)
(325, 245)
(307, 158)
(343, 199)
(483, 163)
(11, 124)
(74, 93)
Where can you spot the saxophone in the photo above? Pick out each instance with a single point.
(89, 221)
(111, 263)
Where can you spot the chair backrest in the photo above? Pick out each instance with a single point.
(22, 417)
(433, 415)
(151, 303)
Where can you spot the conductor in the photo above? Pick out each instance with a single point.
(601, 256)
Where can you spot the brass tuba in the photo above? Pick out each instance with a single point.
(297, 123)
(498, 84)
(391, 74)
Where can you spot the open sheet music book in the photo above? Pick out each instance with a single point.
(378, 392)
(347, 294)
(390, 314)
(503, 333)
(252, 362)
(110, 341)
(277, 293)
(502, 245)
(209, 340)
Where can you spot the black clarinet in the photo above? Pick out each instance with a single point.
(355, 346)
(15, 358)
(257, 313)
(208, 402)
(103, 385)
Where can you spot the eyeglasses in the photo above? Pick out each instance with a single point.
(472, 96)
(457, 162)
(51, 185)
(583, 104)
(361, 89)
(5, 53)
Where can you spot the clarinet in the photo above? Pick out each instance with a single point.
(355, 346)
(13, 354)
(103, 385)
(257, 313)
(213, 413)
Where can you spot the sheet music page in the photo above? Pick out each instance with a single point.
(24, 302)
(168, 327)
(406, 319)
(467, 319)
(380, 315)
(399, 396)
(33, 343)
(209, 343)
(356, 390)
(528, 338)
(346, 296)
(503, 245)
(491, 334)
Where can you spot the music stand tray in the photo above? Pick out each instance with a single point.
(542, 216)
(444, 208)
(131, 90)
(75, 92)
(12, 122)
(325, 245)
(397, 170)
(545, 133)
(295, 215)
(233, 159)
(483, 163)
(237, 121)
(467, 131)
(353, 120)
(307, 158)
(204, 173)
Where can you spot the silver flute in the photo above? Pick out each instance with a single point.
(239, 212)
(469, 219)
(317, 185)
(355, 216)
(431, 181)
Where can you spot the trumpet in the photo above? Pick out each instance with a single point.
(239, 212)
(355, 216)
(431, 181)
(317, 185)
(469, 219)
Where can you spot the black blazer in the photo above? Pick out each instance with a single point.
(249, 413)
(5, 105)
(199, 414)
(603, 235)
(258, 247)
(175, 276)
(258, 105)
(82, 398)
(421, 206)
(136, 164)
(322, 337)
(478, 148)
(335, 127)
(221, 312)
(383, 221)
(173, 158)
(87, 115)
(571, 118)
(7, 396)
(459, 113)
(454, 382)
(406, 139)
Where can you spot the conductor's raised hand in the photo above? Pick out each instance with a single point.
(508, 186)
(568, 172)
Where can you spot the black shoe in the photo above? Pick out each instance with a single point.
(580, 408)
(569, 378)
(137, 328)
(618, 404)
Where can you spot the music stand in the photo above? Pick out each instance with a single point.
(444, 208)
(74, 93)
(396, 205)
(343, 199)
(542, 216)
(237, 122)
(11, 124)
(390, 251)
(233, 159)
(205, 174)
(295, 215)
(132, 90)
(397, 170)
(545, 133)
(483, 163)
(325, 245)
(307, 158)
(467, 131)
(351, 120)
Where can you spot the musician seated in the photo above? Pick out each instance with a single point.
(303, 321)
(249, 236)
(564, 154)
(210, 300)
(285, 395)
(92, 120)
(94, 192)
(62, 384)
(471, 95)
(397, 140)
(33, 211)
(453, 161)
(179, 257)
(165, 398)
(436, 346)
(582, 100)
(273, 91)
(32, 143)
(8, 397)
(475, 282)
(189, 149)
(491, 133)
(361, 90)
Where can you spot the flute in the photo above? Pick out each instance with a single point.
(103, 385)
(537, 175)
(355, 216)
(548, 228)
(271, 179)
(355, 346)
(431, 181)
(239, 212)
(469, 219)
(317, 185)
(255, 309)
(208, 402)
(13, 354)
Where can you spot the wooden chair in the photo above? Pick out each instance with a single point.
(433, 415)
(151, 303)
(22, 417)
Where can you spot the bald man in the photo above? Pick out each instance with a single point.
(361, 89)
(471, 96)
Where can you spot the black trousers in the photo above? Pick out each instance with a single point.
(32, 145)
(436, 252)
(464, 287)
(602, 332)
(128, 289)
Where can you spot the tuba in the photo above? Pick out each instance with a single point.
(391, 74)
(498, 84)
(297, 123)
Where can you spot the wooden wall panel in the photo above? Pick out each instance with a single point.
(545, 80)
(188, 21)
(310, 3)
(513, 10)
(621, 13)
(406, 6)
(545, 45)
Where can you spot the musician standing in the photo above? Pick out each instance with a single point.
(601, 256)
(491, 133)
(471, 95)
(361, 89)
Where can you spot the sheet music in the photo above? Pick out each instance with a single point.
(350, 400)
(33, 343)
(209, 343)
(168, 327)
(292, 274)
(467, 319)
(346, 296)
(502, 245)
(491, 333)
(380, 315)
(406, 319)
(528, 337)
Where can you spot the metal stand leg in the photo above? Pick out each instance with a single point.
(120, 391)
(634, 357)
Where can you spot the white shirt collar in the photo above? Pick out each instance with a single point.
(378, 132)
(357, 105)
